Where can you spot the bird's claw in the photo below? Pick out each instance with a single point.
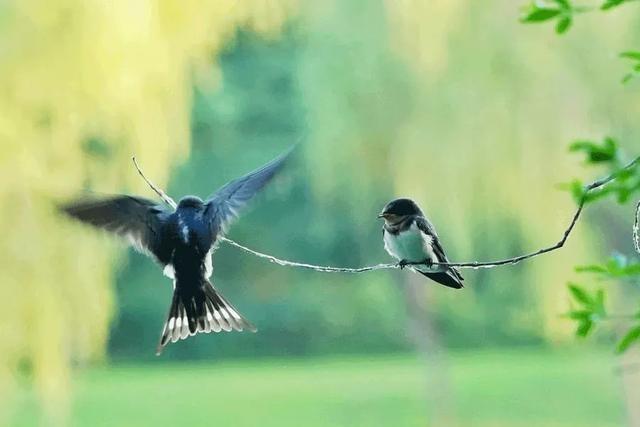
(428, 262)
(402, 264)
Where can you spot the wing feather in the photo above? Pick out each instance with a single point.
(224, 205)
(139, 221)
(427, 228)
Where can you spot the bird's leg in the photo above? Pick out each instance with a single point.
(428, 262)
(402, 263)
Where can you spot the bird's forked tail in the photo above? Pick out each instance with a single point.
(204, 310)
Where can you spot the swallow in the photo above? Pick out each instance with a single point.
(410, 238)
(182, 241)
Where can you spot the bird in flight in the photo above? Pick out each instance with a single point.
(410, 238)
(182, 241)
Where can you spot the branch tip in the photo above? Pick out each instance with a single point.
(168, 200)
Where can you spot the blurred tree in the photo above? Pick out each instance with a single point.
(85, 84)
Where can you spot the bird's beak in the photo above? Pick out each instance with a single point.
(381, 215)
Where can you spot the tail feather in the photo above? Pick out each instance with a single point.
(450, 278)
(231, 316)
(205, 311)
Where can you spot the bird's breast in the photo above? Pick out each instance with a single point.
(410, 244)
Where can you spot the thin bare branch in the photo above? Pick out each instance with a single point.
(168, 200)
(636, 229)
(325, 269)
(587, 189)
(474, 264)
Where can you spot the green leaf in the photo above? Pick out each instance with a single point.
(597, 194)
(597, 153)
(594, 268)
(579, 315)
(576, 187)
(631, 54)
(623, 195)
(563, 25)
(580, 295)
(584, 328)
(617, 262)
(598, 304)
(631, 336)
(610, 144)
(616, 266)
(564, 4)
(630, 270)
(608, 4)
(540, 14)
(622, 175)
(627, 78)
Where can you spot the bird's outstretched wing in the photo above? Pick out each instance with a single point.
(223, 206)
(137, 220)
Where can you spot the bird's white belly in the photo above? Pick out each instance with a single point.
(409, 245)
(169, 271)
(208, 266)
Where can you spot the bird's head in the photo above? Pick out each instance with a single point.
(190, 202)
(398, 210)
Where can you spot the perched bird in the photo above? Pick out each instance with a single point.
(410, 238)
(182, 242)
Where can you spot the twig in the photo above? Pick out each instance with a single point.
(587, 189)
(168, 200)
(636, 229)
(475, 264)
(326, 269)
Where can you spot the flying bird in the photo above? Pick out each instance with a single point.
(410, 238)
(182, 241)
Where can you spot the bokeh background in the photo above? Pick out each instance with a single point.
(451, 102)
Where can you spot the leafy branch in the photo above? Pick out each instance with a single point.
(584, 192)
(634, 56)
(591, 309)
(562, 11)
(626, 182)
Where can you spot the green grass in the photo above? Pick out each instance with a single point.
(498, 388)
